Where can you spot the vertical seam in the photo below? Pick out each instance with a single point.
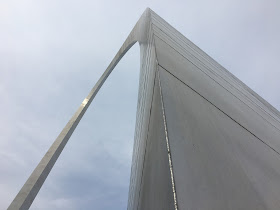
(139, 194)
(168, 147)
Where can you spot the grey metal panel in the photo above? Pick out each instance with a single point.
(183, 45)
(220, 76)
(156, 188)
(217, 163)
(262, 126)
(146, 83)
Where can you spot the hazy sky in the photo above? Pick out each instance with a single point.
(52, 53)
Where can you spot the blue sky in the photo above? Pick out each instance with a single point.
(53, 52)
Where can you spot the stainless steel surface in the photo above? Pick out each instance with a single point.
(203, 139)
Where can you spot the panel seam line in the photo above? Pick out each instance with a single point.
(168, 147)
(252, 102)
(222, 111)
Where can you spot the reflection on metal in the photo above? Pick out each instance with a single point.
(84, 103)
(168, 147)
(203, 139)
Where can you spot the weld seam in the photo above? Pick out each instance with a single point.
(168, 147)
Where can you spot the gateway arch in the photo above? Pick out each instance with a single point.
(203, 139)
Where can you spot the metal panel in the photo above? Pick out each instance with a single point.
(156, 188)
(217, 163)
